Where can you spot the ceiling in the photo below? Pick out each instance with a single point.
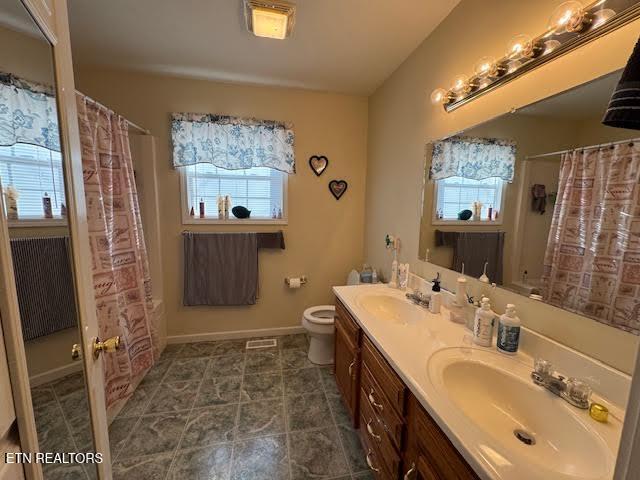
(347, 46)
(585, 101)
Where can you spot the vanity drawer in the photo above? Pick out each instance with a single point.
(371, 427)
(371, 396)
(374, 458)
(348, 324)
(389, 382)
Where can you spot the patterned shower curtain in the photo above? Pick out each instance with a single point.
(592, 262)
(121, 277)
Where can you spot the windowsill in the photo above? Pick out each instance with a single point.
(466, 222)
(38, 222)
(235, 221)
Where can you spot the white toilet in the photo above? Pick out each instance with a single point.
(318, 322)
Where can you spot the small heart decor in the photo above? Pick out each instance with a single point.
(338, 187)
(318, 164)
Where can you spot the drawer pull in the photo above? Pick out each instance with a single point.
(372, 401)
(371, 432)
(351, 365)
(410, 472)
(377, 470)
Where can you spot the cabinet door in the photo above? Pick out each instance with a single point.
(347, 365)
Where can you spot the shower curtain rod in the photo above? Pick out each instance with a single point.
(591, 147)
(135, 126)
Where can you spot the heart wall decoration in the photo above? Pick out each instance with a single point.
(318, 164)
(338, 187)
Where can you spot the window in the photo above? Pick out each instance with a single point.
(33, 171)
(455, 194)
(260, 189)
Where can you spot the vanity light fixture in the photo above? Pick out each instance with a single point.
(571, 24)
(270, 18)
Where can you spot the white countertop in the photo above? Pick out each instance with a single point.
(408, 345)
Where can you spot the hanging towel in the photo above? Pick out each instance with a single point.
(539, 198)
(624, 107)
(271, 240)
(44, 283)
(474, 249)
(220, 268)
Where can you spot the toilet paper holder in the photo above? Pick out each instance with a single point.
(303, 280)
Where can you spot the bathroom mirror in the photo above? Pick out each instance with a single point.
(31, 173)
(544, 202)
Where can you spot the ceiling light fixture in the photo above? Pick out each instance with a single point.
(270, 18)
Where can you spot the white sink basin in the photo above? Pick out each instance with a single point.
(497, 396)
(389, 308)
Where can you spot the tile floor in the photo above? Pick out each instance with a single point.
(63, 425)
(213, 410)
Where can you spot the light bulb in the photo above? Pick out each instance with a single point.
(567, 17)
(520, 46)
(460, 83)
(513, 65)
(550, 46)
(485, 67)
(601, 17)
(439, 96)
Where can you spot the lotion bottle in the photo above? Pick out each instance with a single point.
(509, 331)
(483, 324)
(393, 283)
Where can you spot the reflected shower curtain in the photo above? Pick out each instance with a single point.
(592, 262)
(121, 278)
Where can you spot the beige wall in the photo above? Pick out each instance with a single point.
(324, 237)
(402, 121)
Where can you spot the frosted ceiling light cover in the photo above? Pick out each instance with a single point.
(269, 18)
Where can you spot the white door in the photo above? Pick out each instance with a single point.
(58, 390)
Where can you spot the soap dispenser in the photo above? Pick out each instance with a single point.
(436, 297)
(483, 324)
(509, 331)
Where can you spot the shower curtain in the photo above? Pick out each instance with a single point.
(122, 283)
(592, 261)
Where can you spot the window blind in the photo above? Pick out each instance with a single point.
(33, 171)
(456, 194)
(259, 189)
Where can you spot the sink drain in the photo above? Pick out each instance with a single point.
(524, 437)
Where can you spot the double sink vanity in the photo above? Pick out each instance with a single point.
(429, 404)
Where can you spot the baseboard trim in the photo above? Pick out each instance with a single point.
(55, 374)
(213, 336)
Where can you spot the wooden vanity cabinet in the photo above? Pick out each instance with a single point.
(347, 360)
(429, 454)
(399, 437)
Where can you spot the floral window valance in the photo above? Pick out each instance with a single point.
(473, 158)
(28, 113)
(231, 143)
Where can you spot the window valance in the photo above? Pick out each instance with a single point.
(232, 143)
(28, 113)
(473, 158)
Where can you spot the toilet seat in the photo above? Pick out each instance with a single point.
(320, 314)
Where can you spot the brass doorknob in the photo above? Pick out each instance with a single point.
(110, 345)
(76, 351)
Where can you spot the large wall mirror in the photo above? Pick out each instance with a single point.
(545, 202)
(31, 173)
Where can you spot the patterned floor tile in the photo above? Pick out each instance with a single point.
(155, 434)
(296, 358)
(173, 397)
(153, 467)
(263, 458)
(209, 426)
(258, 419)
(263, 361)
(202, 463)
(353, 448)
(218, 391)
(307, 411)
(298, 341)
(225, 365)
(302, 381)
(261, 386)
(138, 402)
(317, 454)
(185, 369)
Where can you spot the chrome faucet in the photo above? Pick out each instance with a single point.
(574, 391)
(419, 298)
